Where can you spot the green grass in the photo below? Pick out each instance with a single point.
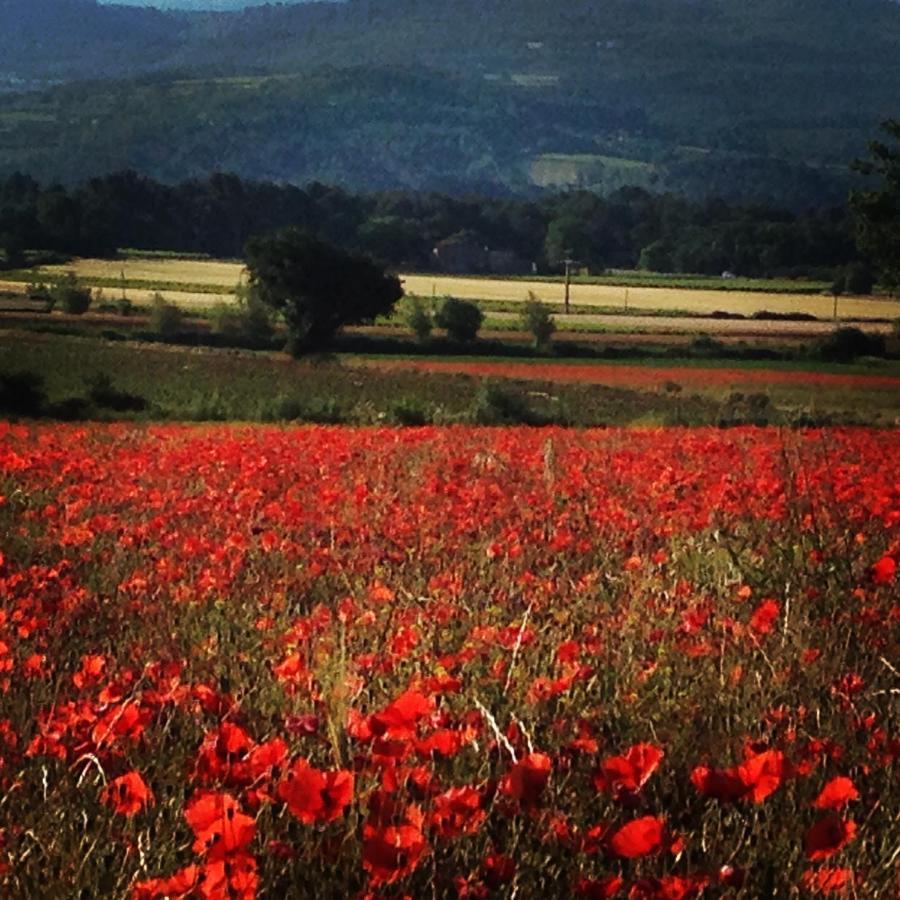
(194, 384)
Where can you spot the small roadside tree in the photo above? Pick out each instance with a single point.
(317, 287)
(419, 319)
(461, 319)
(537, 319)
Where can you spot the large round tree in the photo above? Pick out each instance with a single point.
(317, 287)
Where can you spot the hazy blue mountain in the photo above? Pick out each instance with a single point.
(769, 98)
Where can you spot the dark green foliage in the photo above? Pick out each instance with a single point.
(747, 409)
(317, 287)
(218, 215)
(537, 320)
(499, 404)
(839, 284)
(71, 298)
(460, 319)
(419, 319)
(247, 321)
(103, 394)
(858, 279)
(166, 319)
(410, 412)
(22, 394)
(847, 344)
(877, 209)
(12, 251)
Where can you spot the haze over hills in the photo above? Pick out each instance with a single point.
(763, 100)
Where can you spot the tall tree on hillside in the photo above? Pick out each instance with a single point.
(877, 210)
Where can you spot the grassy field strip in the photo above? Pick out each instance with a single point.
(681, 324)
(700, 301)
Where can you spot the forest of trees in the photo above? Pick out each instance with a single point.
(754, 103)
(216, 216)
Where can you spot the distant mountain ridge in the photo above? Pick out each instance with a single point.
(689, 95)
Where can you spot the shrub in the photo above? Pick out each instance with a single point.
(858, 279)
(166, 319)
(495, 405)
(536, 319)
(704, 345)
(248, 318)
(37, 290)
(105, 395)
(22, 394)
(847, 344)
(747, 409)
(460, 319)
(410, 412)
(419, 319)
(73, 299)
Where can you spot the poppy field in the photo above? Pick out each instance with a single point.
(243, 662)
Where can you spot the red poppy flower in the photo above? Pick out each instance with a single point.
(128, 794)
(762, 773)
(527, 779)
(229, 878)
(827, 881)
(219, 826)
(755, 779)
(400, 718)
(670, 887)
(884, 570)
(443, 743)
(724, 785)
(837, 793)
(181, 884)
(232, 742)
(599, 888)
(828, 836)
(391, 852)
(91, 671)
(639, 837)
(314, 796)
(457, 812)
(628, 772)
(763, 619)
(497, 870)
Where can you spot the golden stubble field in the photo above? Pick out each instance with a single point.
(205, 276)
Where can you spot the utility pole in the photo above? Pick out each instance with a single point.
(568, 263)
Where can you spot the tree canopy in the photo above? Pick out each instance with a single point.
(317, 287)
(877, 210)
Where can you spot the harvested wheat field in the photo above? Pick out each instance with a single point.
(174, 271)
(696, 301)
(193, 283)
